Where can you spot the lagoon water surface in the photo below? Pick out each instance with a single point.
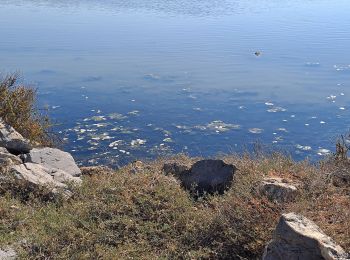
(138, 79)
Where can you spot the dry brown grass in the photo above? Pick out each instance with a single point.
(18, 108)
(148, 215)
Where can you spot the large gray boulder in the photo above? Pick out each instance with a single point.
(13, 141)
(208, 176)
(39, 175)
(53, 159)
(298, 238)
(278, 189)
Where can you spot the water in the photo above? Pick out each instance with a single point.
(139, 79)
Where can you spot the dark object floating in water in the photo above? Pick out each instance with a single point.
(257, 53)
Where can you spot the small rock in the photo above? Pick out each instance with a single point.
(53, 159)
(278, 189)
(8, 254)
(13, 141)
(208, 176)
(175, 168)
(297, 237)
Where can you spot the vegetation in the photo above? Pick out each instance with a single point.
(18, 109)
(148, 215)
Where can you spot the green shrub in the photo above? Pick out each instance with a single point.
(18, 108)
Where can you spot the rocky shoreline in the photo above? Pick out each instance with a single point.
(295, 236)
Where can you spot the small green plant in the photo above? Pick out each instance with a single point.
(18, 108)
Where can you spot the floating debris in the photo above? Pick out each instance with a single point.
(220, 126)
(303, 148)
(100, 125)
(341, 68)
(312, 64)
(115, 143)
(168, 140)
(342, 108)
(282, 129)
(323, 152)
(276, 109)
(332, 97)
(322, 122)
(138, 142)
(134, 113)
(255, 130)
(151, 77)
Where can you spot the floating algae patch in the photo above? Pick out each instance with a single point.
(116, 116)
(220, 126)
(96, 118)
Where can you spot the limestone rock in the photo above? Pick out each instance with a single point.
(8, 254)
(39, 175)
(208, 176)
(278, 189)
(53, 159)
(13, 141)
(297, 237)
(7, 158)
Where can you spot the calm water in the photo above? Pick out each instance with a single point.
(135, 79)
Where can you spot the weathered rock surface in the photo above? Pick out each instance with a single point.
(278, 189)
(8, 254)
(53, 159)
(39, 175)
(298, 238)
(13, 141)
(208, 176)
(6, 158)
(175, 168)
